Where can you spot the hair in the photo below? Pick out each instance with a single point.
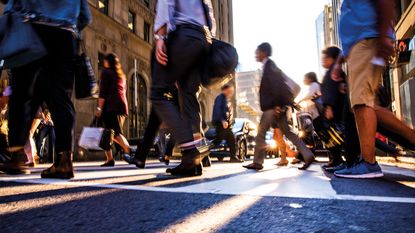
(312, 77)
(266, 48)
(115, 64)
(226, 86)
(332, 52)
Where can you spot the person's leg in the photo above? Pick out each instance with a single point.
(230, 140)
(282, 146)
(59, 71)
(267, 120)
(366, 122)
(293, 137)
(150, 133)
(351, 144)
(388, 120)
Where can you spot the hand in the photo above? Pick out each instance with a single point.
(385, 48)
(98, 113)
(161, 52)
(329, 113)
(277, 111)
(336, 73)
(225, 124)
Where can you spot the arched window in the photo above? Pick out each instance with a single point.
(138, 106)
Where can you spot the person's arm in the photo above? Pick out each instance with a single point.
(386, 14)
(103, 92)
(161, 26)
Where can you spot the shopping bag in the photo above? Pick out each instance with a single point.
(91, 138)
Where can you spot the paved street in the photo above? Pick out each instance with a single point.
(226, 198)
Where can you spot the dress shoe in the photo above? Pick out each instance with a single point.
(295, 161)
(133, 160)
(183, 170)
(14, 164)
(206, 161)
(254, 166)
(110, 163)
(61, 169)
(282, 163)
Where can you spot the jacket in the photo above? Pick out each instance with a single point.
(273, 90)
(221, 110)
(331, 95)
(113, 90)
(72, 15)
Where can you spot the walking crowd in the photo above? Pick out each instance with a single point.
(346, 110)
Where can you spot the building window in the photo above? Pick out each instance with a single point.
(146, 32)
(103, 6)
(131, 21)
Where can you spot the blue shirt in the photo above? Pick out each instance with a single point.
(66, 14)
(176, 12)
(358, 21)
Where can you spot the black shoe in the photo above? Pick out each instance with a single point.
(14, 164)
(254, 166)
(206, 162)
(164, 159)
(183, 170)
(132, 160)
(61, 169)
(110, 163)
(235, 160)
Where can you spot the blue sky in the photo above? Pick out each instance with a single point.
(288, 25)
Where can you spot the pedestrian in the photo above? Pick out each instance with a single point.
(309, 92)
(49, 79)
(275, 99)
(333, 99)
(46, 131)
(30, 146)
(112, 104)
(183, 29)
(223, 120)
(367, 34)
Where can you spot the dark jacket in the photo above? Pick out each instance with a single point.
(331, 95)
(221, 110)
(274, 91)
(113, 90)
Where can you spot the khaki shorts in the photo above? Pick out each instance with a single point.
(364, 77)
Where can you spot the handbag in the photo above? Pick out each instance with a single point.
(86, 86)
(19, 42)
(221, 62)
(96, 137)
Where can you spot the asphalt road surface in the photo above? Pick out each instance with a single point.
(227, 198)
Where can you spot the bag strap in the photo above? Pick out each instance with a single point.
(207, 16)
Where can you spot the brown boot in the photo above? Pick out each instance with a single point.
(61, 169)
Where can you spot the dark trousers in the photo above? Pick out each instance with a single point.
(153, 126)
(49, 80)
(187, 49)
(46, 131)
(227, 135)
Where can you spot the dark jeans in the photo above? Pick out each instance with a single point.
(227, 135)
(49, 80)
(187, 49)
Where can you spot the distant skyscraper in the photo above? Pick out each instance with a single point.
(320, 39)
(336, 5)
(247, 95)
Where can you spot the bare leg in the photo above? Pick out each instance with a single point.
(389, 121)
(122, 141)
(279, 138)
(366, 122)
(108, 154)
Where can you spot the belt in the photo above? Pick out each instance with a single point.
(203, 29)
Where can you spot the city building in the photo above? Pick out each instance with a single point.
(402, 73)
(247, 95)
(325, 33)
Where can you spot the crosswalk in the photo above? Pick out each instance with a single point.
(398, 185)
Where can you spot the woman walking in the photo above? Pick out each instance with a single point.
(112, 103)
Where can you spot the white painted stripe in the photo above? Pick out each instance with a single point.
(192, 190)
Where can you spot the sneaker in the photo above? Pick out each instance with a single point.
(335, 168)
(362, 170)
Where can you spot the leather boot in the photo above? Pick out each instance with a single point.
(62, 168)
